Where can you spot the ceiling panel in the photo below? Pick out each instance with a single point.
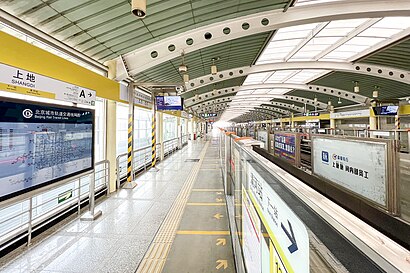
(397, 56)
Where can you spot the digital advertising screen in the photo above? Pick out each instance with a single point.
(41, 144)
(169, 103)
(390, 110)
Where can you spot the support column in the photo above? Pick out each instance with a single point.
(130, 158)
(372, 121)
(192, 128)
(111, 141)
(153, 135)
(179, 132)
(397, 122)
(160, 124)
(332, 121)
(292, 123)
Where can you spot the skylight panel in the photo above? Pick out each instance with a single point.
(256, 78)
(305, 76)
(364, 41)
(314, 2)
(280, 76)
(278, 91)
(350, 23)
(379, 32)
(394, 23)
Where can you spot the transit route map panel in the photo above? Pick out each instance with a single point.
(41, 144)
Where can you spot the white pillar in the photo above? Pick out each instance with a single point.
(111, 142)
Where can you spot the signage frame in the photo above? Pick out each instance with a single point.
(60, 180)
(297, 147)
(392, 171)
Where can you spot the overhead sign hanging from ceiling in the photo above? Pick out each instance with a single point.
(25, 82)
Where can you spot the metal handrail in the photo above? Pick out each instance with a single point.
(37, 220)
(121, 158)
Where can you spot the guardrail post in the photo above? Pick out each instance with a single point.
(91, 215)
(30, 221)
(107, 176)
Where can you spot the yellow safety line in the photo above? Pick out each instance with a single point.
(203, 232)
(206, 204)
(207, 190)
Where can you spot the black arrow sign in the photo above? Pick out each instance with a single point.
(294, 246)
(89, 94)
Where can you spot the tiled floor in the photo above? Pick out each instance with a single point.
(117, 241)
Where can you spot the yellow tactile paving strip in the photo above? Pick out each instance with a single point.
(156, 255)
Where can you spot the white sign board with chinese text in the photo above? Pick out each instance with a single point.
(357, 166)
(287, 232)
(252, 236)
(351, 114)
(25, 82)
(263, 136)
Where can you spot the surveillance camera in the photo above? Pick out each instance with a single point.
(179, 88)
(139, 8)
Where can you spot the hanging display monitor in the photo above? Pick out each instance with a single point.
(41, 144)
(390, 110)
(169, 103)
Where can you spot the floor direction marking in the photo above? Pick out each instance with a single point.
(222, 263)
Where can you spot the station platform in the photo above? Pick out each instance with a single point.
(175, 220)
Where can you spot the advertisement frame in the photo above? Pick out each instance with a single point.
(297, 147)
(392, 171)
(22, 192)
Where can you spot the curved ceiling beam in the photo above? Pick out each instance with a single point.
(358, 68)
(250, 98)
(318, 104)
(244, 107)
(167, 49)
(286, 105)
(224, 106)
(305, 87)
(314, 88)
(212, 102)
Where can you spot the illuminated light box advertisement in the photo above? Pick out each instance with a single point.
(357, 166)
(285, 147)
(169, 103)
(41, 144)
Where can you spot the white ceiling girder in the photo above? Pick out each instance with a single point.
(234, 89)
(359, 68)
(310, 102)
(244, 107)
(209, 104)
(305, 87)
(214, 102)
(141, 59)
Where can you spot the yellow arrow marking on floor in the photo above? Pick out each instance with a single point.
(220, 241)
(219, 199)
(218, 216)
(222, 263)
(219, 193)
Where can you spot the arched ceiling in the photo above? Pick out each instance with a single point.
(343, 32)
